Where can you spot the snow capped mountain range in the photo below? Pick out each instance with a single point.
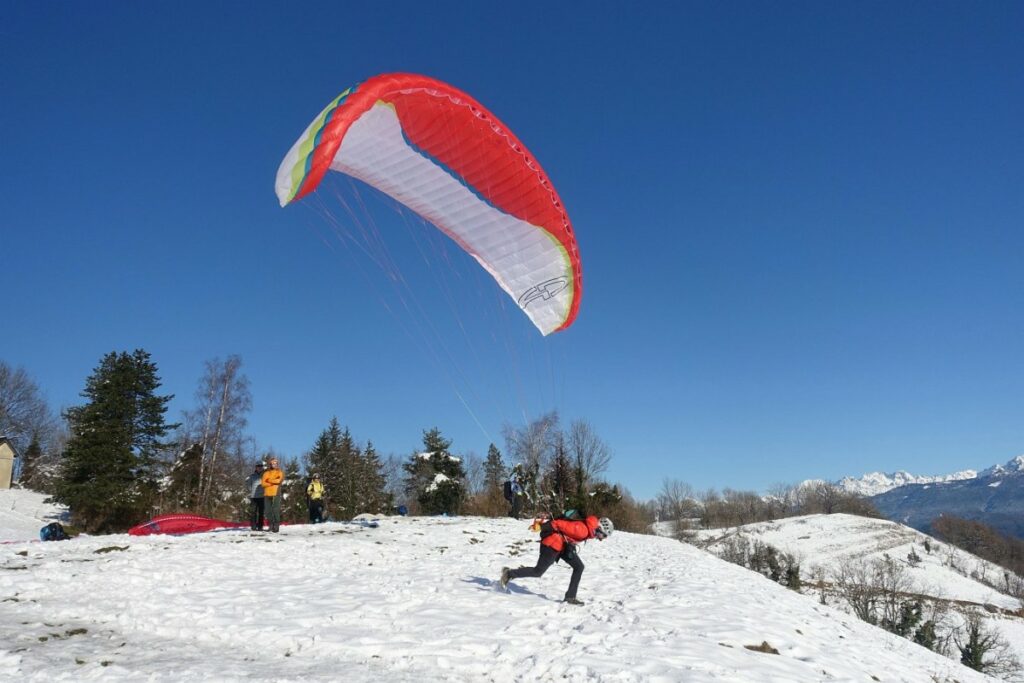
(1015, 466)
(876, 483)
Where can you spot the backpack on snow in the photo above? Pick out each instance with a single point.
(53, 532)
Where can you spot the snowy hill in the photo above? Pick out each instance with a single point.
(827, 541)
(825, 544)
(23, 513)
(414, 600)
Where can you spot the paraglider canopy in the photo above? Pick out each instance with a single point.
(439, 152)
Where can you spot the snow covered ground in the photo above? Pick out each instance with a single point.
(415, 600)
(23, 514)
(826, 542)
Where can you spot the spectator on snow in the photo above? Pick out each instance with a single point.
(255, 485)
(514, 492)
(315, 500)
(558, 542)
(272, 479)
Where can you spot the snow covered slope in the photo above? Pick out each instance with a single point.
(824, 543)
(23, 514)
(414, 600)
(827, 541)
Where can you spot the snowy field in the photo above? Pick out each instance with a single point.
(415, 600)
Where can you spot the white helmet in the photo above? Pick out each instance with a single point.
(605, 526)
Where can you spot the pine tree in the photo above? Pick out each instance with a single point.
(345, 495)
(373, 495)
(353, 479)
(29, 462)
(323, 456)
(495, 472)
(435, 477)
(108, 471)
(558, 481)
(925, 636)
(325, 459)
(490, 500)
(183, 486)
(294, 507)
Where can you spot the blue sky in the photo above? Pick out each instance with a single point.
(800, 225)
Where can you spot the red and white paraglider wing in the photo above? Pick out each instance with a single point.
(439, 152)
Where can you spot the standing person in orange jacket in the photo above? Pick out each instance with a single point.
(272, 479)
(558, 542)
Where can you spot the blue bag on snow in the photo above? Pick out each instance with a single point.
(53, 532)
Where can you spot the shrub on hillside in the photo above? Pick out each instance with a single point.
(983, 649)
(766, 560)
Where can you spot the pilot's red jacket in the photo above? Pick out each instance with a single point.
(569, 531)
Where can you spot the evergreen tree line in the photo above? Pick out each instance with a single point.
(559, 472)
(354, 478)
(121, 461)
(116, 460)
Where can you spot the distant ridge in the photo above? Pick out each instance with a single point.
(874, 483)
(994, 496)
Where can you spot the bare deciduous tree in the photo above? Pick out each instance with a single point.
(24, 414)
(533, 445)
(474, 465)
(677, 503)
(855, 583)
(824, 497)
(394, 476)
(219, 420)
(783, 500)
(588, 453)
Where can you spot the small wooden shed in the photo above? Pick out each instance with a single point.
(7, 456)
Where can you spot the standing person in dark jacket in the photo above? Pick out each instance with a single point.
(514, 492)
(558, 542)
(255, 484)
(272, 479)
